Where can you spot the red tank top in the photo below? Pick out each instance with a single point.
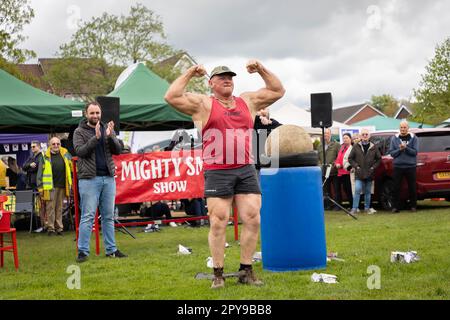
(227, 136)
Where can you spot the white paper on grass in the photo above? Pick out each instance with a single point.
(257, 256)
(183, 250)
(406, 257)
(323, 277)
(210, 263)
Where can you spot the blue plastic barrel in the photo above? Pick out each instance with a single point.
(292, 219)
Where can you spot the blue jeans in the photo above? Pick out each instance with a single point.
(359, 185)
(101, 192)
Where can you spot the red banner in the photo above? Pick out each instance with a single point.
(158, 176)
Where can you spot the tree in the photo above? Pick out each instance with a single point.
(14, 15)
(386, 103)
(169, 73)
(114, 42)
(86, 78)
(120, 40)
(13, 70)
(433, 95)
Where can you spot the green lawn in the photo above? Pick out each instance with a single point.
(154, 270)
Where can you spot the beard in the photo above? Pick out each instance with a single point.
(93, 122)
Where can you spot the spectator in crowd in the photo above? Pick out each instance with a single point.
(31, 167)
(331, 152)
(348, 166)
(3, 181)
(157, 210)
(54, 180)
(343, 176)
(403, 149)
(262, 122)
(356, 138)
(365, 157)
(12, 172)
(194, 207)
(95, 143)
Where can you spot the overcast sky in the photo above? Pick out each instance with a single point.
(353, 49)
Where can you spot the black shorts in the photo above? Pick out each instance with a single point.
(228, 182)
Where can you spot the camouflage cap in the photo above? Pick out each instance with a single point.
(221, 70)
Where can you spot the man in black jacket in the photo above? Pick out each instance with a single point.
(31, 167)
(94, 144)
(365, 157)
(331, 152)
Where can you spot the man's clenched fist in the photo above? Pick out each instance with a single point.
(253, 66)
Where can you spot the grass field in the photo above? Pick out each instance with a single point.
(154, 270)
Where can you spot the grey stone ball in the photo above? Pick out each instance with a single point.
(289, 140)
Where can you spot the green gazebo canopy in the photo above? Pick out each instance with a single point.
(142, 104)
(24, 108)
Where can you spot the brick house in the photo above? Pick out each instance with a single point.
(356, 113)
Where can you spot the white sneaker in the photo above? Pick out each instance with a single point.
(371, 211)
(173, 224)
(39, 230)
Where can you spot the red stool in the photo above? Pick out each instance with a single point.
(5, 228)
(12, 247)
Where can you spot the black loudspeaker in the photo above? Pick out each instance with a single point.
(110, 111)
(321, 110)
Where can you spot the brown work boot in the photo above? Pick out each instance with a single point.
(218, 280)
(247, 276)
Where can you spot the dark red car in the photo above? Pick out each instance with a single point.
(433, 166)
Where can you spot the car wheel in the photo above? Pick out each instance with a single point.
(387, 197)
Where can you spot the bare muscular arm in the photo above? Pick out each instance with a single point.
(186, 102)
(263, 97)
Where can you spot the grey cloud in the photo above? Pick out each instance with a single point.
(333, 40)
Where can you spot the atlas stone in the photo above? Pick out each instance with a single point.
(291, 140)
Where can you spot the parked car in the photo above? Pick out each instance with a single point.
(433, 166)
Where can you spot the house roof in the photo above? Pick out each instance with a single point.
(292, 114)
(47, 63)
(35, 71)
(402, 107)
(42, 68)
(346, 113)
(172, 61)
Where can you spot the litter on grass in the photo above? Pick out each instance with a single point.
(334, 256)
(257, 257)
(323, 277)
(209, 261)
(184, 250)
(404, 257)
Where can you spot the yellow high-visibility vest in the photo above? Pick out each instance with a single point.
(2, 174)
(47, 175)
